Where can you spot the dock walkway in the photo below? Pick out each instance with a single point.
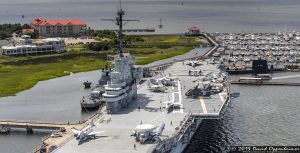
(50, 143)
(32, 125)
(213, 41)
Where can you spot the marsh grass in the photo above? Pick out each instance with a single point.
(21, 73)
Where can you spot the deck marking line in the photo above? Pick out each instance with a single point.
(203, 104)
(221, 97)
(179, 96)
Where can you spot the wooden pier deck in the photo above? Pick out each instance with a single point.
(213, 41)
(32, 125)
(50, 143)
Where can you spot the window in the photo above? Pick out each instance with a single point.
(48, 29)
(70, 29)
(59, 29)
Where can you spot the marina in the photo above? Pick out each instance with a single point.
(245, 52)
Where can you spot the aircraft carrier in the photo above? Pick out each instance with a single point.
(180, 95)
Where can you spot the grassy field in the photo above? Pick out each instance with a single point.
(148, 55)
(21, 73)
(160, 39)
(17, 78)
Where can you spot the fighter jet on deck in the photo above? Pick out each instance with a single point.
(85, 133)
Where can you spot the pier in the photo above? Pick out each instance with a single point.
(7, 126)
(212, 41)
(49, 143)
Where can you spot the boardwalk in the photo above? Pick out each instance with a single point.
(32, 125)
(49, 142)
(212, 41)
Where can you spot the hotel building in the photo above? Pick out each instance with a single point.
(58, 28)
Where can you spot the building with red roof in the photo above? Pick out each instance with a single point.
(56, 28)
(194, 30)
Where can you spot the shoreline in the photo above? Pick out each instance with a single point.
(72, 62)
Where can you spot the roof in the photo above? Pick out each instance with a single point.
(27, 30)
(193, 28)
(18, 46)
(55, 22)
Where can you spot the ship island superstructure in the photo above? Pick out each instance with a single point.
(120, 83)
(193, 90)
(122, 87)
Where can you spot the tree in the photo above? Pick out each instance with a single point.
(6, 30)
(33, 35)
(3, 35)
(99, 46)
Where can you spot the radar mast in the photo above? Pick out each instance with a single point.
(119, 21)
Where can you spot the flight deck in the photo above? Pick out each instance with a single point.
(203, 106)
(150, 108)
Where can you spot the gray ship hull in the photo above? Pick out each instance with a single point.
(180, 147)
(90, 105)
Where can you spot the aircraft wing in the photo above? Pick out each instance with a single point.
(95, 133)
(75, 131)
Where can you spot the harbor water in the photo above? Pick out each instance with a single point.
(262, 115)
(176, 15)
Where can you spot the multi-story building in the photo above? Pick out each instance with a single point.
(58, 28)
(25, 46)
